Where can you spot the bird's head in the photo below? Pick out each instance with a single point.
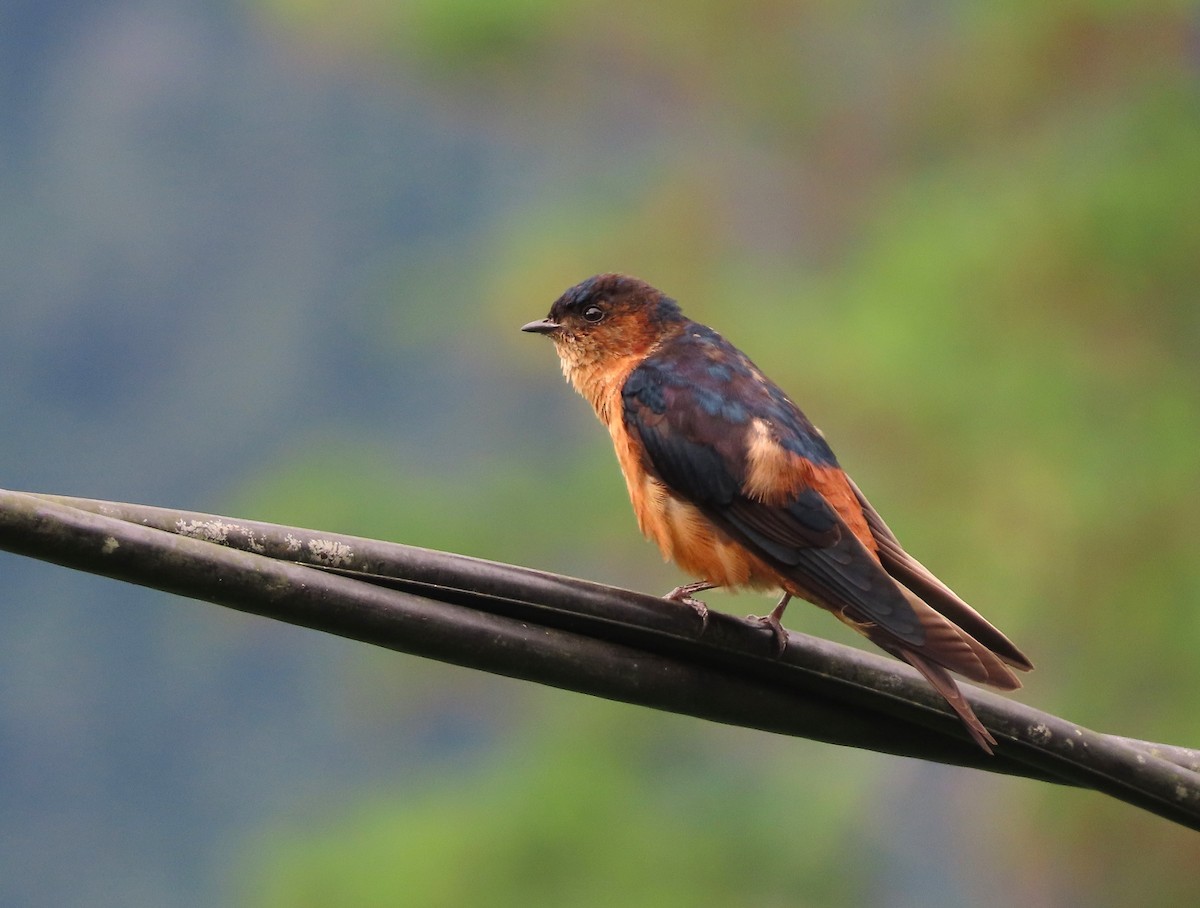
(606, 319)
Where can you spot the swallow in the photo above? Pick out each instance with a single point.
(735, 485)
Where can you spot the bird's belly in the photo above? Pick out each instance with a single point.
(684, 535)
(681, 532)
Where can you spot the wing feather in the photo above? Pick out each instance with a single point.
(702, 457)
(933, 591)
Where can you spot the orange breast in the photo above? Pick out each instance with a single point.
(681, 532)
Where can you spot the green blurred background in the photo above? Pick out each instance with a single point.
(269, 258)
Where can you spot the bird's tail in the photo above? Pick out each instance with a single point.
(944, 684)
(948, 648)
(929, 590)
(948, 645)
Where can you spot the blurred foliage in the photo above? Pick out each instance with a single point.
(593, 807)
(966, 237)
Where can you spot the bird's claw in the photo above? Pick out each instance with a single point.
(774, 621)
(683, 595)
(699, 608)
(778, 631)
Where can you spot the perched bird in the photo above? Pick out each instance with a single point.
(739, 489)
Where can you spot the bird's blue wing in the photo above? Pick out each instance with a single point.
(691, 408)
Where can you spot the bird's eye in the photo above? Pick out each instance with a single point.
(593, 314)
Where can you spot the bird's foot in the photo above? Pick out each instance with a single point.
(774, 622)
(683, 595)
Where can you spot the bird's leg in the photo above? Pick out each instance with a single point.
(775, 622)
(683, 594)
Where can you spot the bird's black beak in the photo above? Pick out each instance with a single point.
(541, 326)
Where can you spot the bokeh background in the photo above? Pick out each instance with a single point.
(268, 258)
